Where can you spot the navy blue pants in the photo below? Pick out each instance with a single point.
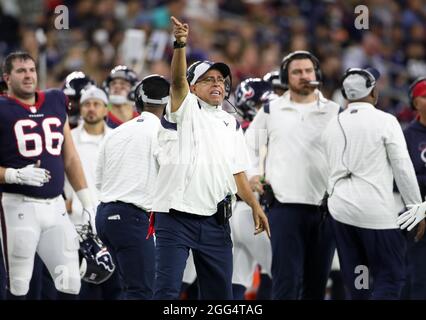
(376, 255)
(264, 291)
(238, 291)
(211, 245)
(302, 251)
(416, 268)
(123, 227)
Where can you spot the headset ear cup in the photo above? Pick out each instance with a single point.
(343, 93)
(283, 73)
(318, 74)
(137, 96)
(368, 83)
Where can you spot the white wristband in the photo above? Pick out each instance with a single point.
(85, 198)
(11, 175)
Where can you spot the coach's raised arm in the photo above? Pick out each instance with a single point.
(179, 85)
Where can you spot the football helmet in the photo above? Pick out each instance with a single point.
(122, 72)
(73, 86)
(75, 82)
(96, 264)
(248, 96)
(273, 78)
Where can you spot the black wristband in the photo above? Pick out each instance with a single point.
(178, 45)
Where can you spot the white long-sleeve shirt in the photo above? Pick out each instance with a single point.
(295, 162)
(198, 158)
(375, 154)
(127, 167)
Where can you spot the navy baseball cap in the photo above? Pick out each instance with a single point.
(197, 69)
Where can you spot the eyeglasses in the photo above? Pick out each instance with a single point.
(212, 80)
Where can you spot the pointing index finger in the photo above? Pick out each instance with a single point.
(175, 21)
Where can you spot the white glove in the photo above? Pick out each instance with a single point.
(30, 175)
(89, 215)
(89, 209)
(412, 216)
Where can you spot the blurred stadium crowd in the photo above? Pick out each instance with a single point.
(251, 36)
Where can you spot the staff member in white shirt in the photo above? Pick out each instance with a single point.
(366, 151)
(125, 177)
(200, 170)
(87, 137)
(291, 125)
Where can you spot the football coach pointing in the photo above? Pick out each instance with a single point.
(202, 162)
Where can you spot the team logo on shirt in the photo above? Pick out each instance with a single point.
(33, 109)
(422, 148)
(226, 123)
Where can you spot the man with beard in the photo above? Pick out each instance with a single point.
(295, 171)
(87, 138)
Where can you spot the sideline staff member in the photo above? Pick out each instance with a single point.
(198, 175)
(366, 151)
(125, 174)
(302, 242)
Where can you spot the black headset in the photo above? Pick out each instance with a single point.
(300, 54)
(142, 97)
(370, 81)
(411, 89)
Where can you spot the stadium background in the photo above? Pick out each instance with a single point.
(251, 36)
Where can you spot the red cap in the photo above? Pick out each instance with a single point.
(419, 89)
